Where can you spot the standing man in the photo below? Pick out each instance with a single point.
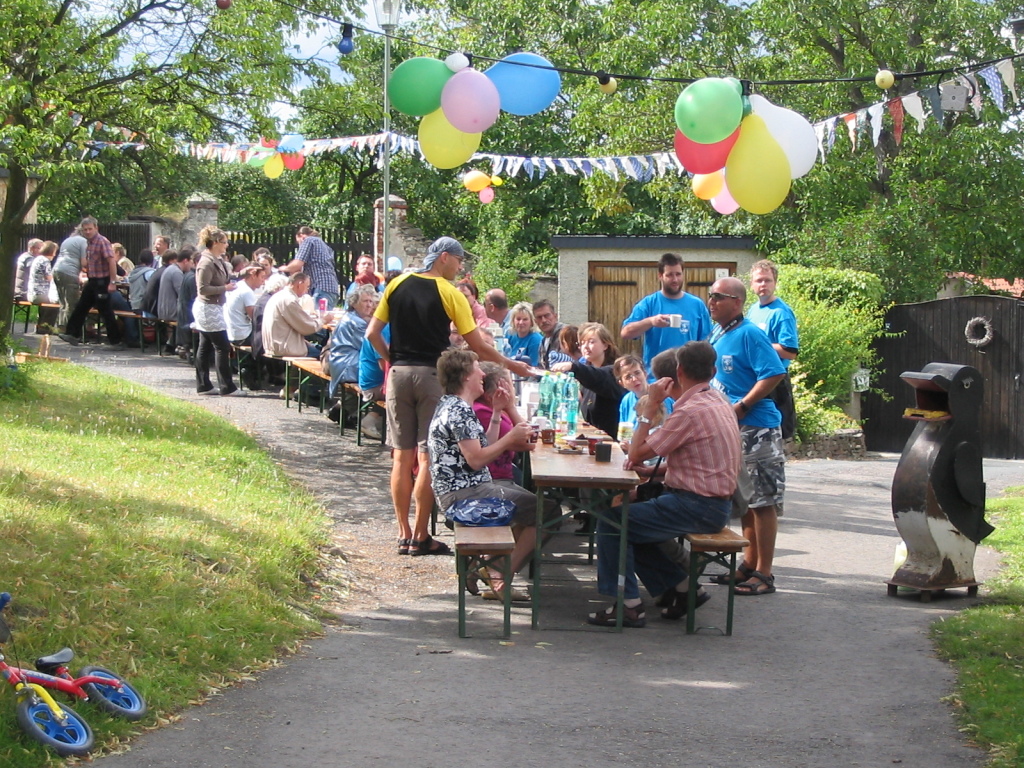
(496, 307)
(420, 308)
(316, 259)
(546, 318)
(667, 318)
(101, 272)
(773, 316)
(67, 275)
(748, 370)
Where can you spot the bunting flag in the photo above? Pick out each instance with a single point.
(875, 112)
(991, 77)
(915, 108)
(975, 89)
(1009, 75)
(934, 97)
(851, 129)
(896, 110)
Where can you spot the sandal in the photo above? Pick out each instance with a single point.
(473, 579)
(678, 608)
(403, 546)
(517, 595)
(631, 617)
(743, 573)
(757, 584)
(428, 546)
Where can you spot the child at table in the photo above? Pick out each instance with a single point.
(629, 372)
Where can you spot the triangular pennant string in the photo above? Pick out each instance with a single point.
(896, 110)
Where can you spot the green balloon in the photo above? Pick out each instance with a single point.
(709, 110)
(415, 86)
(735, 82)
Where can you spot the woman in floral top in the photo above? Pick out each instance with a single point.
(460, 452)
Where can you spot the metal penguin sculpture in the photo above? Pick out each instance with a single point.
(938, 491)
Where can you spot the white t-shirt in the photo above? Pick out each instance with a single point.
(237, 319)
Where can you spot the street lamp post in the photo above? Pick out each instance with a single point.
(387, 12)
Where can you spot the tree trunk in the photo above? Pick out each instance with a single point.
(10, 238)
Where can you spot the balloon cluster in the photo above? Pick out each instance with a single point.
(274, 156)
(458, 103)
(482, 184)
(743, 150)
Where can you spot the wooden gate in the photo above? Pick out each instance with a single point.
(933, 332)
(614, 287)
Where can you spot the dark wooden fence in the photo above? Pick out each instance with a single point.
(133, 235)
(347, 245)
(934, 332)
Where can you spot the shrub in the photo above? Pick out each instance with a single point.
(814, 415)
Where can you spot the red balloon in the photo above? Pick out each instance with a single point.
(293, 160)
(704, 158)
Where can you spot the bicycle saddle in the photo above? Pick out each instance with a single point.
(49, 664)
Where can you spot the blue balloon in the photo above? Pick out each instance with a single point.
(525, 90)
(292, 142)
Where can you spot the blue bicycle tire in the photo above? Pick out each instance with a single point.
(72, 738)
(127, 703)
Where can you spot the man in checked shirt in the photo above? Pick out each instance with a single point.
(101, 269)
(316, 259)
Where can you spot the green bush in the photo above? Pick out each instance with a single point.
(838, 287)
(814, 415)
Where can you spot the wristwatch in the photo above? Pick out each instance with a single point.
(643, 419)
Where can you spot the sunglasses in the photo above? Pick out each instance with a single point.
(720, 296)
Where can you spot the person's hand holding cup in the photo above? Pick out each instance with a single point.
(521, 436)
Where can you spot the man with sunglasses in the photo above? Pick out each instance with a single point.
(748, 370)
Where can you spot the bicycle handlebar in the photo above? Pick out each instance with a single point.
(5, 598)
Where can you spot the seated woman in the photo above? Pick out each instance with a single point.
(601, 393)
(40, 278)
(524, 341)
(347, 339)
(497, 382)
(460, 452)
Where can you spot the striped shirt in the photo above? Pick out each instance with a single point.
(701, 444)
(98, 254)
(318, 262)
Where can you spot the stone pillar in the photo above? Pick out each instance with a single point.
(201, 213)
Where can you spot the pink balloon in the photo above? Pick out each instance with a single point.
(723, 202)
(704, 158)
(486, 195)
(470, 101)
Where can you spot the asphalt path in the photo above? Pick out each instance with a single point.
(829, 671)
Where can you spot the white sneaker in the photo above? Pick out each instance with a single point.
(370, 426)
(237, 393)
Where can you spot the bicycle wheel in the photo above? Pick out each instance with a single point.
(127, 702)
(71, 737)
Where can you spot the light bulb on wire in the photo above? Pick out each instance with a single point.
(346, 45)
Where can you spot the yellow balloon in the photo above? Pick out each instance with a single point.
(474, 181)
(497, 181)
(757, 169)
(885, 79)
(707, 185)
(443, 145)
(274, 167)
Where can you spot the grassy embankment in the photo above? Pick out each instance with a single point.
(986, 644)
(150, 536)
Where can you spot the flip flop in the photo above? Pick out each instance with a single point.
(757, 584)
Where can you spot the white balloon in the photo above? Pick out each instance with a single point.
(792, 131)
(457, 62)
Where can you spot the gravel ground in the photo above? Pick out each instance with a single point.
(828, 671)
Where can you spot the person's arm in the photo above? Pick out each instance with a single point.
(785, 353)
(639, 450)
(638, 328)
(758, 392)
(479, 456)
(374, 334)
(293, 266)
(486, 351)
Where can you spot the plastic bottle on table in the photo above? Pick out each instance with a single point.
(544, 398)
(572, 405)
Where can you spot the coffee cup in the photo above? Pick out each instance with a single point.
(592, 443)
(675, 321)
(547, 436)
(603, 452)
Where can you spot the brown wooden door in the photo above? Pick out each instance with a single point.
(933, 331)
(614, 287)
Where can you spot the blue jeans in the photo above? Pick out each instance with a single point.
(332, 299)
(650, 522)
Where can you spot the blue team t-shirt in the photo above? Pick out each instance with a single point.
(527, 346)
(695, 326)
(627, 408)
(370, 374)
(745, 357)
(778, 321)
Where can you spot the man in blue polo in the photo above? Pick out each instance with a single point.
(748, 370)
(773, 316)
(667, 318)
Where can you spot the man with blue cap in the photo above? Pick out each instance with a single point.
(420, 308)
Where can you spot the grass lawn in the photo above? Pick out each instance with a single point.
(986, 644)
(149, 535)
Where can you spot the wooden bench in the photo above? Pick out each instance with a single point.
(24, 309)
(311, 367)
(472, 544)
(707, 548)
(365, 406)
